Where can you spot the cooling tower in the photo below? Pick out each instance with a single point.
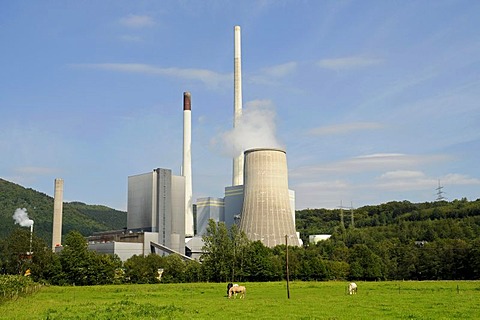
(266, 213)
(237, 178)
(57, 214)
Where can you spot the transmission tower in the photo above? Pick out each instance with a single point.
(342, 224)
(352, 222)
(351, 214)
(440, 192)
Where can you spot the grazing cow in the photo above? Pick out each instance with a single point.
(234, 290)
(352, 288)
(229, 285)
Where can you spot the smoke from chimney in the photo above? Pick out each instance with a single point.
(21, 217)
(256, 128)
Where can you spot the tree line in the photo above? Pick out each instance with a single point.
(394, 241)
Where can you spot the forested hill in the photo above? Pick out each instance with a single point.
(444, 219)
(421, 221)
(76, 215)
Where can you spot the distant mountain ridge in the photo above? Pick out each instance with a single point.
(78, 216)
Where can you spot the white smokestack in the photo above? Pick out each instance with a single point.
(31, 238)
(57, 214)
(237, 84)
(21, 217)
(187, 162)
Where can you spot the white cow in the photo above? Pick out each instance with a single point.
(352, 288)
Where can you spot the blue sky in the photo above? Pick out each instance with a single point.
(374, 101)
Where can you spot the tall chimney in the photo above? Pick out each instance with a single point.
(237, 84)
(187, 162)
(57, 214)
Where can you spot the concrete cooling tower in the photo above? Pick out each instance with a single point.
(266, 213)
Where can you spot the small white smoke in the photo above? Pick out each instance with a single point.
(21, 217)
(256, 128)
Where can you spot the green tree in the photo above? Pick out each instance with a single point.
(45, 264)
(337, 270)
(365, 264)
(143, 269)
(194, 272)
(474, 260)
(83, 267)
(261, 264)
(312, 267)
(103, 268)
(218, 253)
(406, 258)
(15, 257)
(76, 260)
(240, 245)
(174, 269)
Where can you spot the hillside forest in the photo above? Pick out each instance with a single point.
(391, 241)
(77, 216)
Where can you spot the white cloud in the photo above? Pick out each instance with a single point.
(459, 179)
(271, 75)
(404, 180)
(281, 70)
(324, 186)
(345, 128)
(379, 162)
(348, 63)
(137, 21)
(386, 161)
(209, 78)
(402, 174)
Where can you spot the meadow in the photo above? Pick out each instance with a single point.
(308, 300)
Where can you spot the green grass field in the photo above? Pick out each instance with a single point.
(308, 300)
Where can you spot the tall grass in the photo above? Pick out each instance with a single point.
(309, 300)
(11, 287)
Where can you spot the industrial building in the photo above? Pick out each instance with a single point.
(155, 218)
(156, 204)
(209, 208)
(160, 207)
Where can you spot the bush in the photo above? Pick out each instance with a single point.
(11, 287)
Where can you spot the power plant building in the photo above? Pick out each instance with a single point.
(233, 204)
(161, 210)
(156, 203)
(209, 208)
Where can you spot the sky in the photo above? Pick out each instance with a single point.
(373, 101)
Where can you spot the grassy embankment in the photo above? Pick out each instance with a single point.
(309, 300)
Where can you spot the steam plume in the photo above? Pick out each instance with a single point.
(21, 217)
(256, 128)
